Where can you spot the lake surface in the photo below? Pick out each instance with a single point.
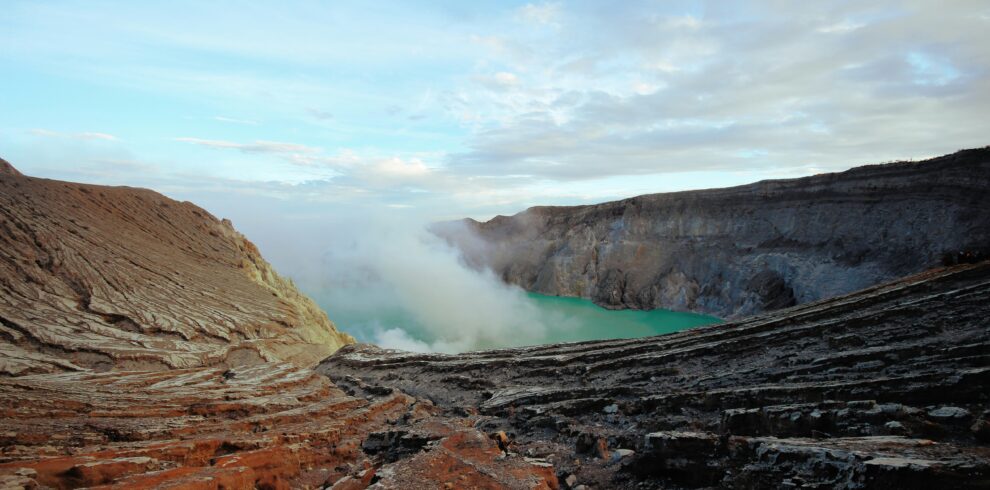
(560, 319)
(588, 321)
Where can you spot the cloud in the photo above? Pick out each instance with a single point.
(86, 135)
(319, 114)
(513, 106)
(273, 147)
(632, 91)
(545, 13)
(232, 120)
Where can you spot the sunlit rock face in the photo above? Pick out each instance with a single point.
(95, 277)
(742, 250)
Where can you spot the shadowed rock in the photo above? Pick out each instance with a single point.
(743, 250)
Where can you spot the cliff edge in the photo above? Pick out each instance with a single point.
(743, 250)
(99, 278)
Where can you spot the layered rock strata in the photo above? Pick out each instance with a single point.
(95, 277)
(265, 426)
(743, 250)
(885, 388)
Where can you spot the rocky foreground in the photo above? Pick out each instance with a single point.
(885, 388)
(744, 250)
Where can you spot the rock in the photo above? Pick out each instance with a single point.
(618, 454)
(896, 428)
(748, 249)
(571, 480)
(613, 408)
(981, 430)
(949, 413)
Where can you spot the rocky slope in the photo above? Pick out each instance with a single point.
(95, 277)
(885, 388)
(742, 250)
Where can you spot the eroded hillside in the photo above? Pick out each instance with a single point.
(95, 277)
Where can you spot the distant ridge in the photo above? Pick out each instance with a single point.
(742, 250)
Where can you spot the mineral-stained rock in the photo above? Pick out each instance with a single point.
(270, 426)
(743, 250)
(783, 399)
(95, 277)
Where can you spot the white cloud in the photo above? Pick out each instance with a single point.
(544, 13)
(506, 78)
(250, 122)
(86, 135)
(276, 147)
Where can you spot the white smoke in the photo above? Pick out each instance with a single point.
(373, 269)
(394, 261)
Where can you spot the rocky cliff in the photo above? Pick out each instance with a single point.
(95, 277)
(742, 250)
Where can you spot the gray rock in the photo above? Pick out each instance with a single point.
(949, 413)
(743, 250)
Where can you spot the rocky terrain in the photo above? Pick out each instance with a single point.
(743, 250)
(885, 388)
(146, 344)
(95, 277)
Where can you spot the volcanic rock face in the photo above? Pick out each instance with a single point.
(885, 388)
(95, 277)
(743, 250)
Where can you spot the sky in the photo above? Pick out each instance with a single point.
(479, 108)
(332, 132)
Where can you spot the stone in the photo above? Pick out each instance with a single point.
(571, 480)
(613, 408)
(896, 428)
(949, 413)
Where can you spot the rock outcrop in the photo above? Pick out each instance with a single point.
(95, 277)
(743, 250)
(885, 388)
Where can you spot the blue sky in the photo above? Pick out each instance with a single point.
(477, 108)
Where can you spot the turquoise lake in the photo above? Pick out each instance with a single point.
(564, 320)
